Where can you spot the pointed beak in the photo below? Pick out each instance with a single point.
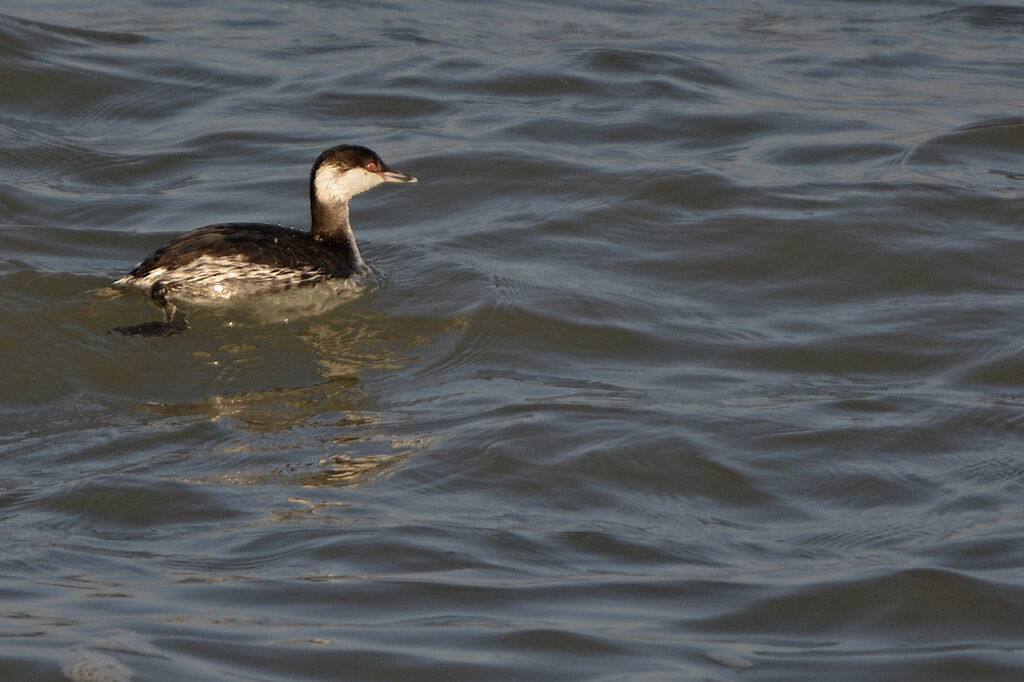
(391, 175)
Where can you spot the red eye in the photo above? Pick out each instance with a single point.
(372, 167)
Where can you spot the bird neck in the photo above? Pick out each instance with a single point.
(330, 226)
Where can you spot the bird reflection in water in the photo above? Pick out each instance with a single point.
(330, 431)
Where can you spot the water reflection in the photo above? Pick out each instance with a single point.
(333, 429)
(335, 470)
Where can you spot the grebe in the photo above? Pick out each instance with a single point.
(231, 259)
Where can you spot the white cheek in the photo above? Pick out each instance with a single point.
(333, 186)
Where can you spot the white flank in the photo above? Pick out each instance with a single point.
(220, 277)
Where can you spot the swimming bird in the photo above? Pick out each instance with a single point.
(238, 259)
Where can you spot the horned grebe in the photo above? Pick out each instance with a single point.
(230, 259)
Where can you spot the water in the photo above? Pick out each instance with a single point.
(694, 354)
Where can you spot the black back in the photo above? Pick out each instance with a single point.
(270, 245)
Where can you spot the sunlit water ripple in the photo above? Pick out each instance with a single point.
(694, 354)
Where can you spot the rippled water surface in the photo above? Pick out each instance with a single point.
(696, 352)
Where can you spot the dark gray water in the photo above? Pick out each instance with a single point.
(696, 352)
